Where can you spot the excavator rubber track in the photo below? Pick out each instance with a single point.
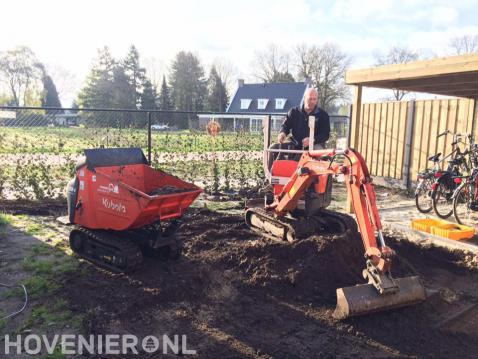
(290, 229)
(106, 249)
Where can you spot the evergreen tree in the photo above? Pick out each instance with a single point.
(188, 86)
(98, 91)
(135, 73)
(217, 97)
(164, 96)
(50, 96)
(149, 96)
(121, 90)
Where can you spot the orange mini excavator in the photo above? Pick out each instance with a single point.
(297, 209)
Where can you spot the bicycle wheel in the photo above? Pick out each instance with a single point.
(423, 199)
(443, 200)
(464, 208)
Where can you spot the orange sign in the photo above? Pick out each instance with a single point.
(213, 128)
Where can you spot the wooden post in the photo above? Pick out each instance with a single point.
(149, 137)
(475, 114)
(354, 131)
(407, 160)
(356, 114)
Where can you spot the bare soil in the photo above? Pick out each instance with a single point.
(237, 295)
(36, 208)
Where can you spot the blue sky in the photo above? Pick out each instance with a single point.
(66, 34)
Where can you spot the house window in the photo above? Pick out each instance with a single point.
(280, 103)
(245, 103)
(262, 103)
(256, 124)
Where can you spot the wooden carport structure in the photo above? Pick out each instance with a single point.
(404, 133)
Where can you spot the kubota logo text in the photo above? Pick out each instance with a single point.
(109, 204)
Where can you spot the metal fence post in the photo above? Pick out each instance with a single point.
(149, 137)
(407, 159)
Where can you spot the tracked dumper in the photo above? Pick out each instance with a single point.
(121, 208)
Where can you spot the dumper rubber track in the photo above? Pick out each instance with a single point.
(106, 249)
(290, 229)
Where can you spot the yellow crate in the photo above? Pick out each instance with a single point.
(425, 224)
(453, 231)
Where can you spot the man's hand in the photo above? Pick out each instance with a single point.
(305, 142)
(281, 137)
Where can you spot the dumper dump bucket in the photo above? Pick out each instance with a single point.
(117, 189)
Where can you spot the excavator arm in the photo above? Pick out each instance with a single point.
(382, 290)
(312, 170)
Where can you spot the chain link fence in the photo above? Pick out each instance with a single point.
(39, 147)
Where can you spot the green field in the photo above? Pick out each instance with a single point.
(70, 140)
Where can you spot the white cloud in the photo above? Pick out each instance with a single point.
(69, 32)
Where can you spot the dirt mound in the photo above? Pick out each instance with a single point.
(311, 269)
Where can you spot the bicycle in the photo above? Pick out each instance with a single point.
(465, 197)
(444, 186)
(434, 184)
(423, 192)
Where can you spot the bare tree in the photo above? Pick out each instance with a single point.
(155, 70)
(397, 55)
(465, 44)
(272, 65)
(324, 66)
(227, 72)
(22, 73)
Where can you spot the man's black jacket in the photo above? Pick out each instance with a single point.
(297, 122)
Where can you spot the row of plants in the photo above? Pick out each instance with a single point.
(36, 163)
(39, 180)
(57, 140)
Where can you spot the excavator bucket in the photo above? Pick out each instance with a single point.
(364, 298)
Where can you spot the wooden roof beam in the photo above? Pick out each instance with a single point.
(414, 70)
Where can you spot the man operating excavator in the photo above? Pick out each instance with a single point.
(296, 126)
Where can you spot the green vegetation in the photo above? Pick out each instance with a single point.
(57, 354)
(3, 322)
(56, 313)
(73, 140)
(5, 219)
(46, 264)
(51, 162)
(34, 228)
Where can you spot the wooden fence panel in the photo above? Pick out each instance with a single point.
(383, 130)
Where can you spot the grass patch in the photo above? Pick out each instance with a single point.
(41, 249)
(34, 228)
(49, 266)
(57, 354)
(5, 219)
(3, 322)
(223, 206)
(38, 286)
(67, 265)
(42, 266)
(53, 313)
(47, 316)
